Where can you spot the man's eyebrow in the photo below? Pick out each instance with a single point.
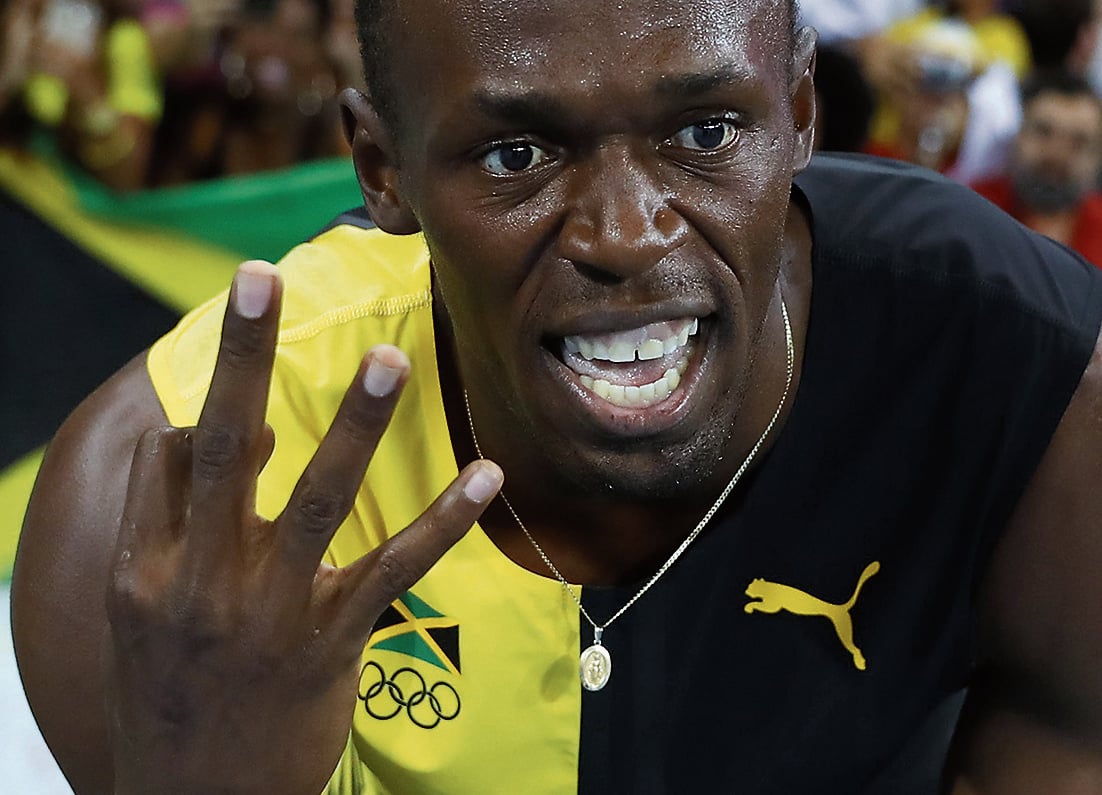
(530, 108)
(698, 83)
(542, 109)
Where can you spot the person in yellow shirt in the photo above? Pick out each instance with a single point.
(95, 81)
(927, 74)
(1000, 36)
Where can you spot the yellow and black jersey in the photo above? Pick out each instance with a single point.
(816, 637)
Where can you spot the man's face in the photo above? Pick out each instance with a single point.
(603, 189)
(1057, 155)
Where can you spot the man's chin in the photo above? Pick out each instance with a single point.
(1046, 196)
(659, 476)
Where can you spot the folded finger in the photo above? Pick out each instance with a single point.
(156, 502)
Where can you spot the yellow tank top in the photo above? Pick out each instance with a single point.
(469, 682)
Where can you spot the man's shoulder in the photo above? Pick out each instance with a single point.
(347, 289)
(866, 208)
(915, 227)
(354, 271)
(864, 198)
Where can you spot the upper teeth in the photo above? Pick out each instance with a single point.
(648, 342)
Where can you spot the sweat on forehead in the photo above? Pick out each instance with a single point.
(373, 20)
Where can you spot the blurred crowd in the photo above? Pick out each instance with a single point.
(148, 93)
(1003, 96)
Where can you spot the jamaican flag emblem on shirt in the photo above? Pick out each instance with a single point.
(411, 627)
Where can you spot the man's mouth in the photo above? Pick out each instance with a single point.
(634, 368)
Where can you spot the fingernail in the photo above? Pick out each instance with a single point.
(483, 484)
(380, 380)
(253, 290)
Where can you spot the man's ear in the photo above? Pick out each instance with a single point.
(803, 97)
(376, 160)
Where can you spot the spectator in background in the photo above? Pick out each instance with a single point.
(272, 102)
(923, 114)
(193, 35)
(149, 93)
(1051, 185)
(186, 33)
(94, 80)
(954, 108)
(283, 88)
(892, 58)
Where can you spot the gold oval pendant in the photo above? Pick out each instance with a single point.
(595, 667)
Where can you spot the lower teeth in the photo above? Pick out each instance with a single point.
(636, 396)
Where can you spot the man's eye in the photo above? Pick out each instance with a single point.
(513, 157)
(706, 135)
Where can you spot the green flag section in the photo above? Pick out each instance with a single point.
(258, 216)
(203, 230)
(417, 607)
(93, 278)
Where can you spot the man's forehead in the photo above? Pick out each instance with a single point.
(660, 11)
(614, 15)
(518, 37)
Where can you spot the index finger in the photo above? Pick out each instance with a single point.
(232, 421)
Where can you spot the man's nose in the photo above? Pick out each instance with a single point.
(618, 218)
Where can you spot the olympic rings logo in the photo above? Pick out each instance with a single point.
(384, 697)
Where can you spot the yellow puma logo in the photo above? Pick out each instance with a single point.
(776, 597)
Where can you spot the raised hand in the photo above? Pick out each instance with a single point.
(233, 650)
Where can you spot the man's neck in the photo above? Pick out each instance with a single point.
(591, 540)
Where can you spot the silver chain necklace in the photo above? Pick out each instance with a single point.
(595, 664)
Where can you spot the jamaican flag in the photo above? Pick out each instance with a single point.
(91, 278)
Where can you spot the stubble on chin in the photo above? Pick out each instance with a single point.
(1044, 194)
